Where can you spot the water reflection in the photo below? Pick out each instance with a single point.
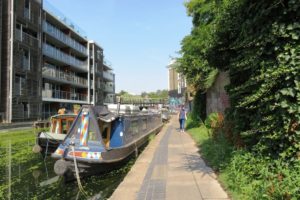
(32, 177)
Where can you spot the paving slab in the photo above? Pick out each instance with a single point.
(170, 168)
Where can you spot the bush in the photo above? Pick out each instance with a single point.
(256, 177)
(245, 174)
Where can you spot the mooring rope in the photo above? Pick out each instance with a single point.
(46, 149)
(81, 189)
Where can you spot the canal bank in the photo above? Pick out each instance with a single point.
(170, 168)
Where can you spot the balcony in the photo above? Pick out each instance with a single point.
(55, 53)
(26, 38)
(109, 89)
(31, 16)
(59, 35)
(108, 76)
(51, 95)
(47, 6)
(109, 99)
(64, 76)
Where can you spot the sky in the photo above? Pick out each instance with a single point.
(139, 37)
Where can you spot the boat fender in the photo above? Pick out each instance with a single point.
(36, 148)
(60, 167)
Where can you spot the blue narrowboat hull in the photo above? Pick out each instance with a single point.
(113, 159)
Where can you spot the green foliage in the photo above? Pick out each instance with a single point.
(194, 60)
(260, 46)
(199, 107)
(211, 77)
(247, 175)
(256, 177)
(211, 119)
(259, 43)
(159, 94)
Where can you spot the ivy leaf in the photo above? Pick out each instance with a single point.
(288, 92)
(284, 104)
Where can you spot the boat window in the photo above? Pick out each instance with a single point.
(105, 129)
(64, 126)
(144, 124)
(69, 123)
(134, 128)
(53, 124)
(57, 126)
(92, 136)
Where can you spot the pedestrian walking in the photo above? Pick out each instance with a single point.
(182, 117)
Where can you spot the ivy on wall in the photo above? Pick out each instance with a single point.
(259, 43)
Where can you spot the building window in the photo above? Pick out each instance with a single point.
(27, 9)
(19, 85)
(25, 59)
(26, 110)
(99, 54)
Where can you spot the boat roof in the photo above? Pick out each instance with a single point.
(64, 115)
(102, 113)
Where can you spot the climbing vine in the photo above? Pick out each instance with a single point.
(258, 42)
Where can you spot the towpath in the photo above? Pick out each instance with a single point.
(170, 168)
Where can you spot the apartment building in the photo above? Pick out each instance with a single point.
(177, 83)
(47, 63)
(21, 60)
(65, 68)
(102, 76)
(108, 83)
(179, 91)
(96, 66)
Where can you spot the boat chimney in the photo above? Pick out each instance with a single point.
(118, 104)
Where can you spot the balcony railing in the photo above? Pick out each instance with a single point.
(26, 38)
(59, 94)
(108, 88)
(47, 6)
(53, 31)
(109, 99)
(108, 75)
(63, 57)
(65, 76)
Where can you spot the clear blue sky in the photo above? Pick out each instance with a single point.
(138, 36)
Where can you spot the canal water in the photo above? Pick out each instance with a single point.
(25, 175)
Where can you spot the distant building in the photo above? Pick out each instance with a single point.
(177, 85)
(47, 63)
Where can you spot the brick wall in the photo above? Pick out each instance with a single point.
(217, 99)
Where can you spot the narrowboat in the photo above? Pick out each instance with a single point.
(48, 141)
(100, 140)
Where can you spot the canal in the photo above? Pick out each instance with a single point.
(25, 175)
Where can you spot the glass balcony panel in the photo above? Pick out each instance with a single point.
(53, 31)
(49, 70)
(108, 75)
(61, 56)
(59, 94)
